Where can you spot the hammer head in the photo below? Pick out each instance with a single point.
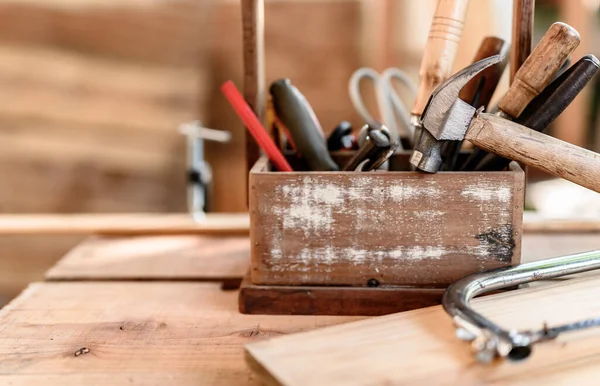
(446, 116)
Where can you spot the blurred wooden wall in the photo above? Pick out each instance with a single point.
(92, 91)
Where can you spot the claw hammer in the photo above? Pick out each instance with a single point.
(530, 80)
(447, 117)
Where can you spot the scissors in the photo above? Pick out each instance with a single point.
(392, 111)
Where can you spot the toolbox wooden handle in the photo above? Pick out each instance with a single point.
(522, 34)
(440, 49)
(538, 70)
(253, 41)
(519, 143)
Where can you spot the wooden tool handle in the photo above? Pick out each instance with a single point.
(519, 143)
(253, 28)
(522, 34)
(538, 70)
(479, 90)
(440, 50)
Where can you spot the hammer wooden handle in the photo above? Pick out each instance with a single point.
(440, 49)
(538, 70)
(519, 143)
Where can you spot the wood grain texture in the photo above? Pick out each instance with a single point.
(420, 347)
(156, 258)
(519, 143)
(25, 259)
(333, 300)
(533, 224)
(522, 34)
(253, 25)
(92, 93)
(440, 49)
(401, 228)
(134, 333)
(160, 32)
(58, 129)
(538, 70)
(132, 224)
(123, 224)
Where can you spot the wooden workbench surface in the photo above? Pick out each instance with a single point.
(133, 333)
(183, 257)
(92, 324)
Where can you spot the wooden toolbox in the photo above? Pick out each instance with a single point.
(366, 243)
(396, 231)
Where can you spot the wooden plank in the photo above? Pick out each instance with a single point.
(58, 126)
(420, 347)
(81, 90)
(25, 259)
(157, 258)
(134, 333)
(534, 223)
(138, 223)
(124, 224)
(401, 228)
(333, 300)
(158, 31)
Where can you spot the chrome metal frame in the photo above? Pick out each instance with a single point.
(488, 339)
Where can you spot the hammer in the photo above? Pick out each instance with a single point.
(447, 117)
(533, 76)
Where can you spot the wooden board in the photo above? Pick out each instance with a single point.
(124, 224)
(133, 334)
(534, 223)
(400, 228)
(156, 258)
(543, 246)
(145, 223)
(420, 347)
(333, 300)
(25, 259)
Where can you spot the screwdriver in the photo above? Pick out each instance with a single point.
(295, 113)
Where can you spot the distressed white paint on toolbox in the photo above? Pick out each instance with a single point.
(315, 224)
(488, 192)
(404, 191)
(334, 255)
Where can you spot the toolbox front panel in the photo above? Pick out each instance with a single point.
(393, 228)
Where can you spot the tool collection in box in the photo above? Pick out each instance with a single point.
(341, 224)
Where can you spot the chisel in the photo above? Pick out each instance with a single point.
(547, 106)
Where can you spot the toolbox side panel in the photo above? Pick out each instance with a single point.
(394, 228)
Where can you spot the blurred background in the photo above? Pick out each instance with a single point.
(92, 93)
